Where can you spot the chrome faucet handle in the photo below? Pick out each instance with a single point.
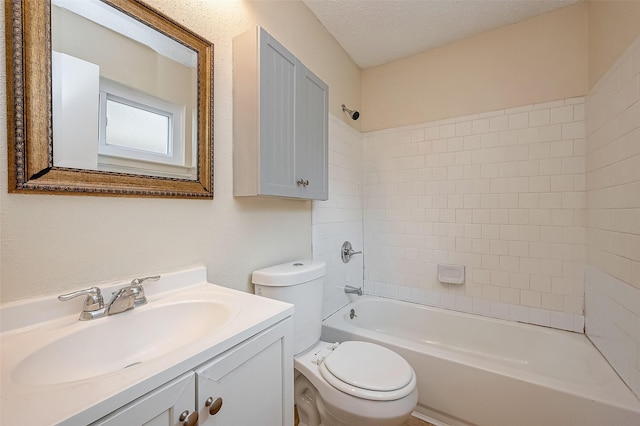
(93, 304)
(138, 281)
(347, 252)
(139, 298)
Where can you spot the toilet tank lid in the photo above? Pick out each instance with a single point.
(290, 273)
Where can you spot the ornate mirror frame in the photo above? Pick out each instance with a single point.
(29, 110)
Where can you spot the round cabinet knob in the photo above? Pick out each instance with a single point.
(189, 419)
(214, 405)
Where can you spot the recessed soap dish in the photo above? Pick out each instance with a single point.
(451, 274)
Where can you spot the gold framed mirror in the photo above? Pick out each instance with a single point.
(41, 155)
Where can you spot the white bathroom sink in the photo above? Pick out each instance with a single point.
(89, 349)
(80, 371)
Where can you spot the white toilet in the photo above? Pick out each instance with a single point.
(347, 384)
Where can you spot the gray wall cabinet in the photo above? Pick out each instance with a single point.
(280, 122)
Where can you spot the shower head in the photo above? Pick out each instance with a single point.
(352, 113)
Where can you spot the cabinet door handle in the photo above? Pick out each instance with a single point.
(303, 182)
(214, 405)
(189, 419)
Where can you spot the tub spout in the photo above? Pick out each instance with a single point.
(353, 290)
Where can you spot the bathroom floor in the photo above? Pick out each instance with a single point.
(416, 422)
(411, 422)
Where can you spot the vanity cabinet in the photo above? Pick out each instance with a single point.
(280, 122)
(162, 407)
(249, 384)
(253, 381)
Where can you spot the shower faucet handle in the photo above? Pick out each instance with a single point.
(347, 252)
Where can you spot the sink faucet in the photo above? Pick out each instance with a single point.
(122, 300)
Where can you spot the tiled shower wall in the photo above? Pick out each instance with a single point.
(501, 193)
(339, 219)
(514, 195)
(613, 216)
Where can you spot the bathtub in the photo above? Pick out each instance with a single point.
(474, 370)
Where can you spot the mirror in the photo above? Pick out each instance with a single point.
(107, 97)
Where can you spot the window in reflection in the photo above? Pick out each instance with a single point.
(134, 127)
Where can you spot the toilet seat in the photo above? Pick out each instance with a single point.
(368, 371)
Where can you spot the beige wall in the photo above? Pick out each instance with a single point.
(50, 244)
(537, 60)
(613, 26)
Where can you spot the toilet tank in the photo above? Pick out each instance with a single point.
(301, 284)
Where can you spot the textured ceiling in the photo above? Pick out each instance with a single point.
(374, 32)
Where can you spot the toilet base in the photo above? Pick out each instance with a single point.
(314, 411)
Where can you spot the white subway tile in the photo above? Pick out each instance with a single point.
(540, 316)
(550, 200)
(509, 137)
(550, 133)
(481, 126)
(573, 165)
(464, 128)
(540, 184)
(518, 313)
(540, 117)
(552, 166)
(561, 183)
(519, 121)
(498, 124)
(635, 69)
(529, 233)
(444, 131)
(561, 320)
(563, 114)
(529, 135)
(417, 135)
(573, 130)
(563, 148)
(578, 112)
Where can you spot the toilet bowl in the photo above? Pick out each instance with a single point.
(337, 384)
(382, 391)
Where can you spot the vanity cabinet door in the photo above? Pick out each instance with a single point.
(161, 407)
(250, 384)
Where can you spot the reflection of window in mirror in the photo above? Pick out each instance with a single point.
(136, 129)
